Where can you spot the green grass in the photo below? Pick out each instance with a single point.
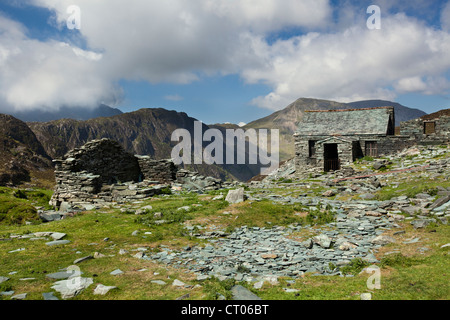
(18, 206)
(406, 276)
(411, 187)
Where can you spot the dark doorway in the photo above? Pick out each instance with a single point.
(331, 157)
(357, 150)
(312, 148)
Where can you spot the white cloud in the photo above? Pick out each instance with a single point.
(178, 41)
(47, 74)
(411, 84)
(355, 63)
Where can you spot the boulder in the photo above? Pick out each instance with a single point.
(235, 196)
(421, 223)
(322, 240)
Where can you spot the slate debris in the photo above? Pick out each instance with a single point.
(257, 252)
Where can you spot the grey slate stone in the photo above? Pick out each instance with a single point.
(322, 240)
(439, 202)
(72, 287)
(235, 196)
(420, 223)
(62, 275)
(57, 242)
(102, 289)
(50, 216)
(3, 279)
(83, 259)
(49, 296)
(21, 296)
(58, 235)
(241, 293)
(116, 272)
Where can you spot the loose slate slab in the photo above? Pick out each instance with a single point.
(83, 259)
(63, 275)
(241, 293)
(58, 235)
(116, 272)
(383, 240)
(3, 279)
(42, 234)
(49, 296)
(57, 242)
(21, 296)
(72, 287)
(178, 283)
(102, 289)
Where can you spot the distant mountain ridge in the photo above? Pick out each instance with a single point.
(143, 132)
(76, 113)
(29, 147)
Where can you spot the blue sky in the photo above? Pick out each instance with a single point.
(222, 61)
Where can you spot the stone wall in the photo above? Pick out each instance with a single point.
(105, 158)
(415, 128)
(349, 148)
(162, 171)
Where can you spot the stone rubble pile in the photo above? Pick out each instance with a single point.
(249, 253)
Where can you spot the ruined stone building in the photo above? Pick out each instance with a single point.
(430, 129)
(328, 139)
(102, 172)
(98, 172)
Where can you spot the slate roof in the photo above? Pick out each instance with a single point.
(367, 121)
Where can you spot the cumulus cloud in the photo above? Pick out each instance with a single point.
(174, 41)
(178, 41)
(355, 63)
(47, 74)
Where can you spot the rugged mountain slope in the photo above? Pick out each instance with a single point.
(144, 132)
(22, 156)
(67, 113)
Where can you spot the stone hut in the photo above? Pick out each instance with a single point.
(328, 139)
